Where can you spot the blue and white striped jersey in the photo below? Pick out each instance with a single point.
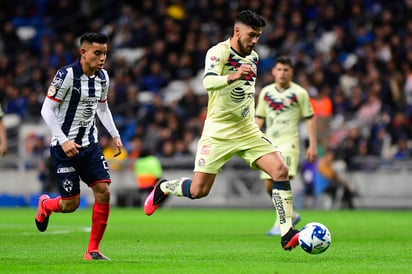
(78, 96)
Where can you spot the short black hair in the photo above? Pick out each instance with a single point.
(92, 37)
(284, 60)
(250, 18)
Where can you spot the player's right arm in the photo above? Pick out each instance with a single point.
(49, 116)
(55, 93)
(214, 61)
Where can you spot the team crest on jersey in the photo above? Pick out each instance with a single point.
(245, 111)
(68, 185)
(201, 162)
(51, 91)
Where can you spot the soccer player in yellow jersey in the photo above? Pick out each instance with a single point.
(281, 106)
(230, 129)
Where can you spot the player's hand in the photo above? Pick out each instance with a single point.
(3, 149)
(117, 142)
(311, 154)
(243, 71)
(71, 148)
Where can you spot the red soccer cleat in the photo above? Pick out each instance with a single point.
(291, 239)
(42, 218)
(155, 198)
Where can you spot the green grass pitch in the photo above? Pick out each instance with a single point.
(204, 241)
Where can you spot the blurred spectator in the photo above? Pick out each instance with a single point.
(368, 112)
(402, 152)
(349, 148)
(3, 134)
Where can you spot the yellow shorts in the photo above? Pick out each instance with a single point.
(291, 159)
(212, 153)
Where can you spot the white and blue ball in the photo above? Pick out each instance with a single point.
(314, 238)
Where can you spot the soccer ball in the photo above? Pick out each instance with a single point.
(314, 238)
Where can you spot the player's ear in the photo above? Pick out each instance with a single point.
(236, 30)
(82, 51)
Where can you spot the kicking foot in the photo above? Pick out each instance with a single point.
(95, 255)
(42, 218)
(290, 240)
(155, 198)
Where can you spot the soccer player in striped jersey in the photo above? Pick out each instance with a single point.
(281, 106)
(77, 94)
(230, 129)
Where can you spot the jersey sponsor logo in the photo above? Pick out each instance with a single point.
(76, 89)
(51, 91)
(84, 123)
(65, 169)
(237, 94)
(88, 111)
(205, 150)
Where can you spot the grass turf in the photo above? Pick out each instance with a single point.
(203, 241)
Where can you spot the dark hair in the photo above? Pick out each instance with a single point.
(284, 60)
(94, 37)
(250, 18)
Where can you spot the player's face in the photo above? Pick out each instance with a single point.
(283, 74)
(247, 38)
(93, 57)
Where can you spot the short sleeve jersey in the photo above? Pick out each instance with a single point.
(78, 95)
(282, 111)
(230, 113)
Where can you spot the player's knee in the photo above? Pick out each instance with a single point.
(101, 193)
(281, 173)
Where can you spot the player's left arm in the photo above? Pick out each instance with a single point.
(105, 116)
(307, 112)
(311, 151)
(3, 138)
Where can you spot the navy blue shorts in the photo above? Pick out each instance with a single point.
(89, 165)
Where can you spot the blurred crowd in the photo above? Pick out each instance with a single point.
(354, 58)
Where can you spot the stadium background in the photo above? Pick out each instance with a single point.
(356, 55)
